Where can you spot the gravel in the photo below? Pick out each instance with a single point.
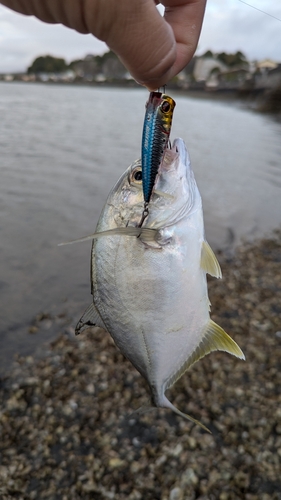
(68, 431)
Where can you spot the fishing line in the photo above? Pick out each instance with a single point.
(256, 8)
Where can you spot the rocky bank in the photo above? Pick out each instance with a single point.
(66, 427)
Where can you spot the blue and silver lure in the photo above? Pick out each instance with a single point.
(155, 137)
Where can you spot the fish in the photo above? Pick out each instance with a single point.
(149, 283)
(155, 137)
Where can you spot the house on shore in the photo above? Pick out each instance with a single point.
(230, 72)
(267, 74)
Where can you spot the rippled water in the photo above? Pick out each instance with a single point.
(63, 147)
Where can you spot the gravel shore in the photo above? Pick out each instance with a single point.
(66, 426)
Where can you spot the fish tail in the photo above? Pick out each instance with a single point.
(165, 403)
(140, 411)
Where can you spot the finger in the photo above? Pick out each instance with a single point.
(185, 18)
(154, 49)
(133, 29)
(70, 13)
(142, 39)
(148, 47)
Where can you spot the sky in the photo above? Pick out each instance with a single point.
(229, 25)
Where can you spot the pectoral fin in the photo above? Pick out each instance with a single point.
(209, 262)
(91, 317)
(147, 234)
(162, 194)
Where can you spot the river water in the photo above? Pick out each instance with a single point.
(62, 149)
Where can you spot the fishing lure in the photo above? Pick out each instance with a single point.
(156, 133)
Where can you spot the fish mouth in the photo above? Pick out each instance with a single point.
(180, 148)
(176, 156)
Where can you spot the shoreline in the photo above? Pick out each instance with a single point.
(262, 100)
(63, 415)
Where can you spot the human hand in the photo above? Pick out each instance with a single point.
(154, 49)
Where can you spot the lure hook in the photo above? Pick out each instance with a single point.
(145, 213)
(164, 89)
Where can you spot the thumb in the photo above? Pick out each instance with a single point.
(143, 41)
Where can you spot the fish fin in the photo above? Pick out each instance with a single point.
(147, 234)
(165, 403)
(162, 194)
(214, 339)
(91, 317)
(85, 238)
(140, 411)
(209, 262)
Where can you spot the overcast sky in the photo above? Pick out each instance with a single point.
(229, 25)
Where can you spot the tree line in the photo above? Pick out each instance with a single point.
(50, 64)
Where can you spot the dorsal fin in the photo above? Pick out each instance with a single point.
(91, 317)
(209, 262)
(214, 339)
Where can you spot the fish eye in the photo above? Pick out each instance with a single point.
(136, 175)
(165, 107)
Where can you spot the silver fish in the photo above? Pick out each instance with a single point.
(149, 284)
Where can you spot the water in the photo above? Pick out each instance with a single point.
(63, 147)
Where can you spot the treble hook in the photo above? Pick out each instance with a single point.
(145, 213)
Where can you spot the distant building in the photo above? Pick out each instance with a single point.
(274, 77)
(113, 69)
(268, 74)
(266, 65)
(8, 78)
(100, 78)
(233, 78)
(27, 78)
(100, 68)
(207, 66)
(214, 74)
(87, 69)
(65, 76)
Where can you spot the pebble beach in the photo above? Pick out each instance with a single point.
(69, 429)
